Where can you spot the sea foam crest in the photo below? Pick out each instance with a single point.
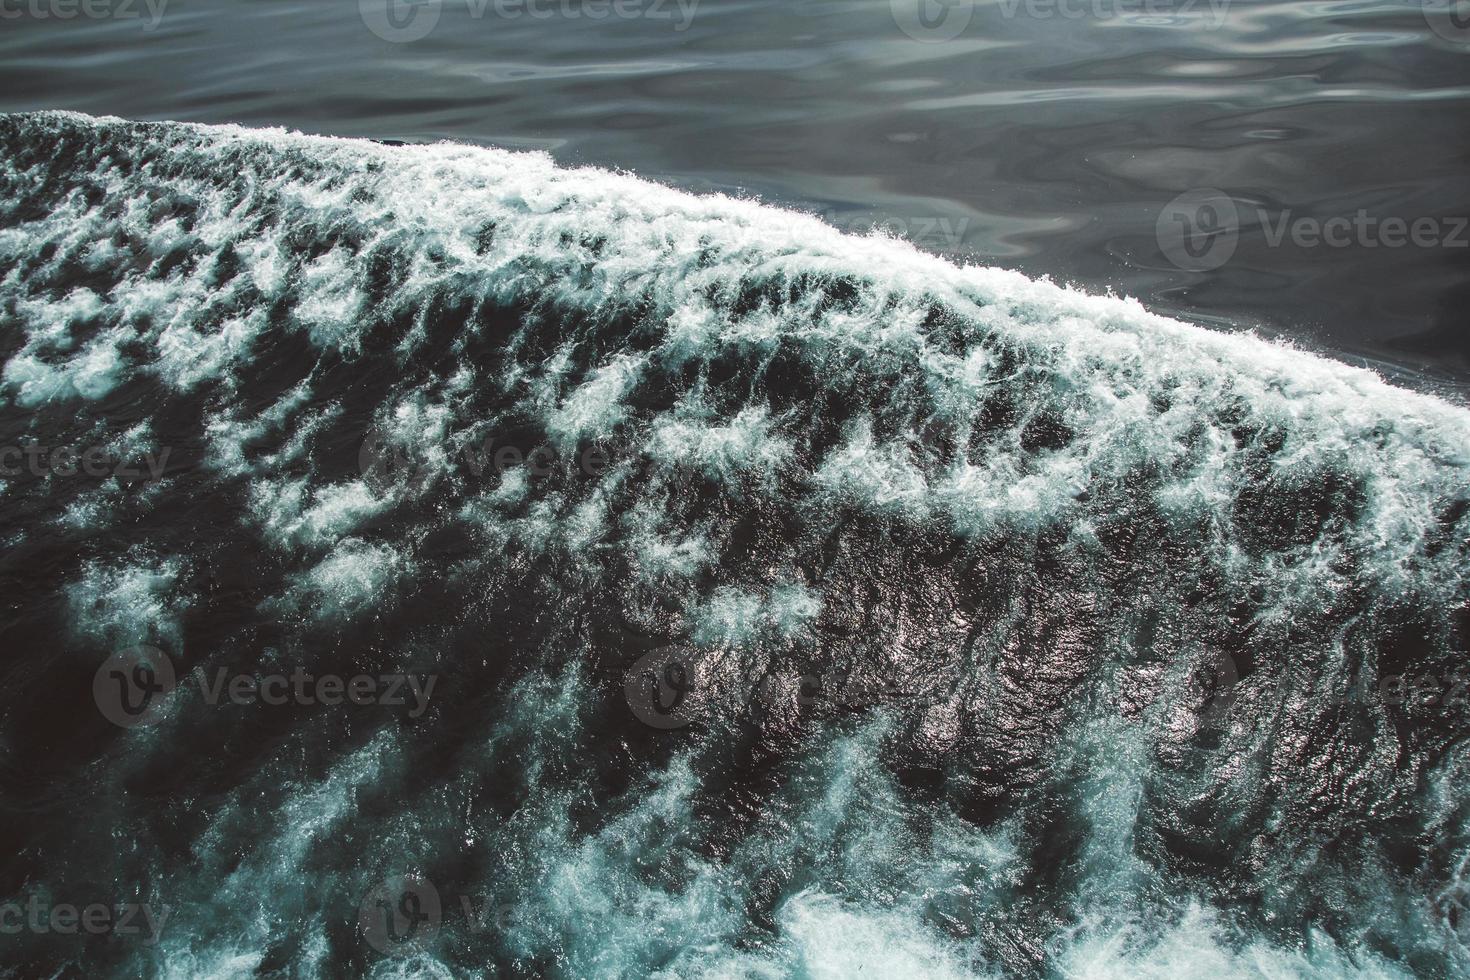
(1086, 563)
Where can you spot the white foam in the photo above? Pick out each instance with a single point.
(129, 603)
(652, 285)
(353, 577)
(833, 941)
(595, 407)
(1092, 361)
(746, 443)
(1200, 947)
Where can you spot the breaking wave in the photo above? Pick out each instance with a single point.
(800, 604)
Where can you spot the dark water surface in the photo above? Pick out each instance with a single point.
(910, 621)
(1042, 136)
(776, 603)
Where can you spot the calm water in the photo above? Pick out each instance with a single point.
(1041, 136)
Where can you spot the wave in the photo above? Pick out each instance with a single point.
(1016, 630)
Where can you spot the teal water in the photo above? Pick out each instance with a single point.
(761, 601)
(1046, 137)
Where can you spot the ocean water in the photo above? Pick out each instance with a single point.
(730, 596)
(735, 489)
(1059, 138)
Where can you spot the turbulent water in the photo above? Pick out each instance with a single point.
(1053, 137)
(795, 604)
